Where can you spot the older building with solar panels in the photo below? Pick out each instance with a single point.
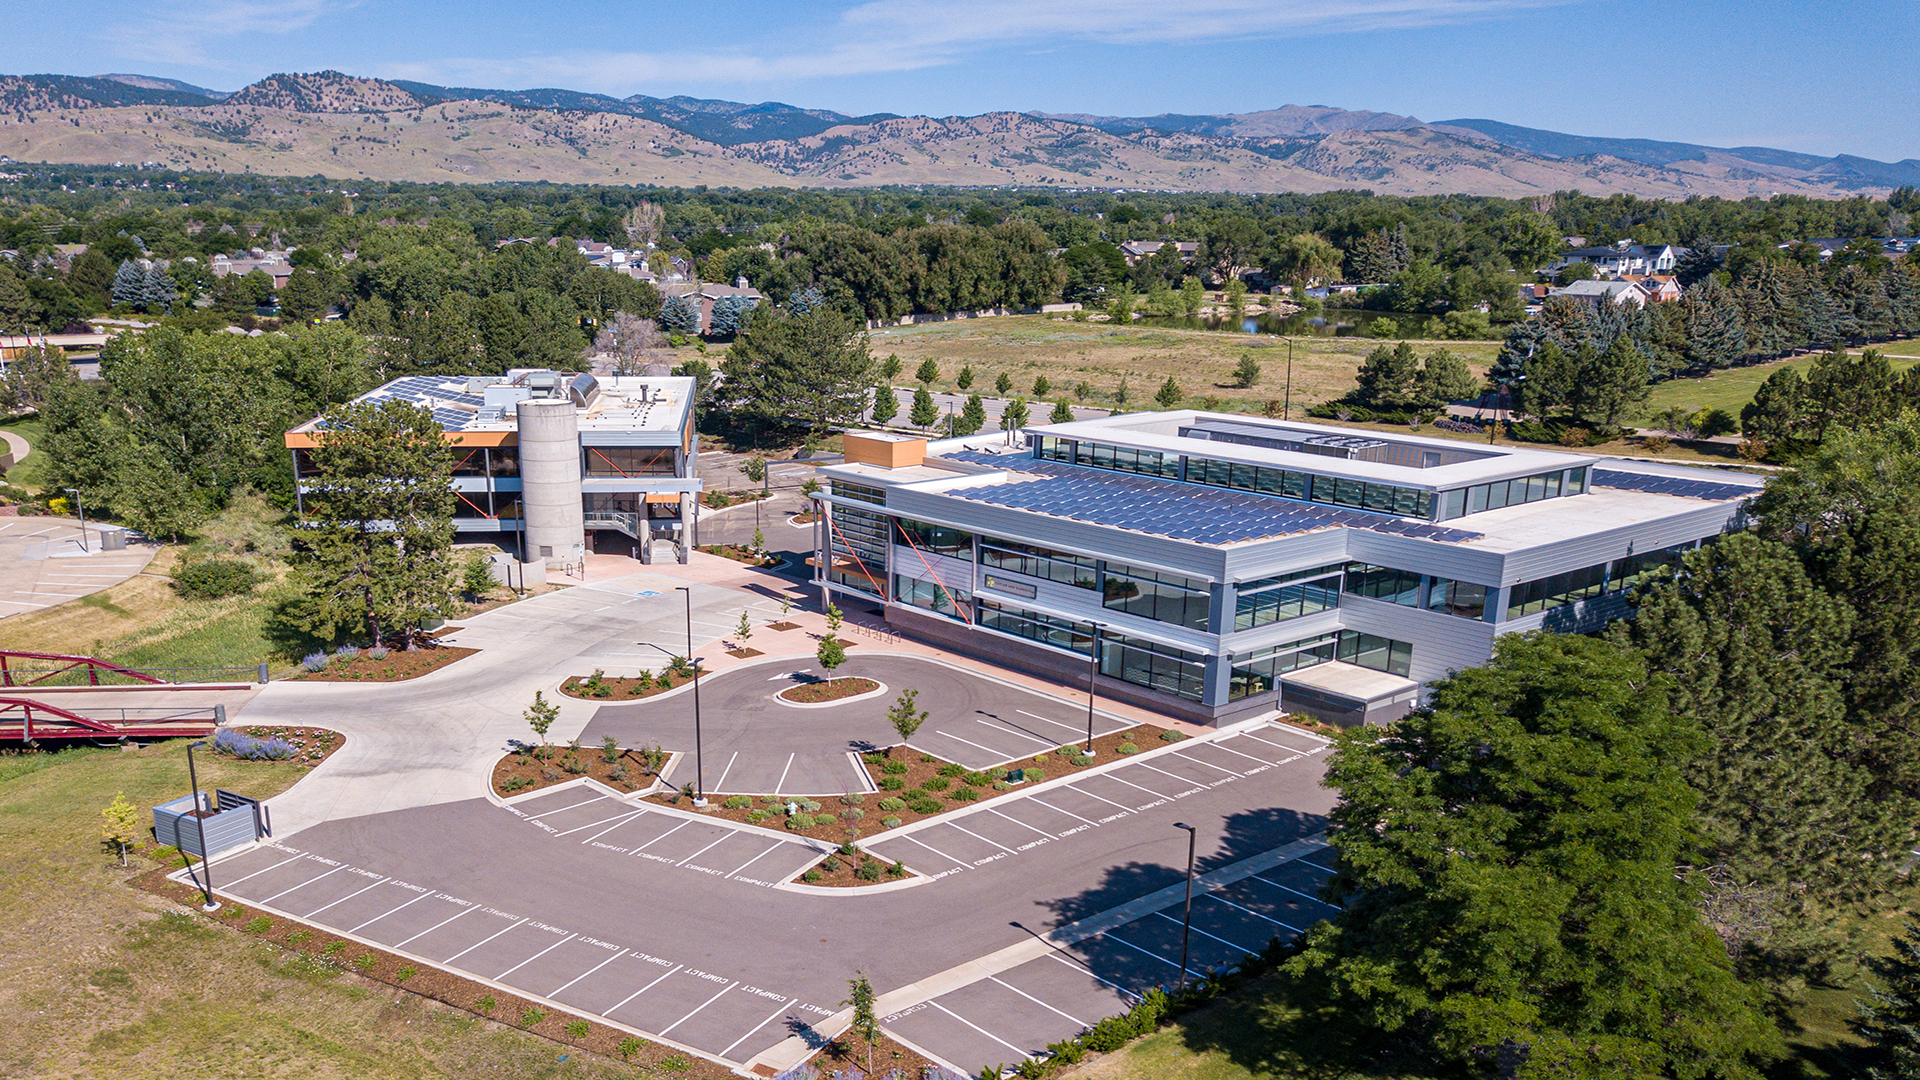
(553, 465)
(1223, 565)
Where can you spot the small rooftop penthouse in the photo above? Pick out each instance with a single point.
(1210, 556)
(562, 463)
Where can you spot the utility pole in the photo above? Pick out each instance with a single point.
(1186, 929)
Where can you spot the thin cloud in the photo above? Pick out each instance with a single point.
(179, 31)
(884, 36)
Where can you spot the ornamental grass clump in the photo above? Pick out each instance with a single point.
(315, 661)
(379, 652)
(241, 745)
(347, 652)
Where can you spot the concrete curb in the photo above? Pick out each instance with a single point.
(878, 689)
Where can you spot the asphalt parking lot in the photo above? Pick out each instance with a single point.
(666, 924)
(755, 746)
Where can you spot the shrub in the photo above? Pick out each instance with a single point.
(579, 1028)
(757, 815)
(852, 798)
(1083, 761)
(811, 876)
(892, 803)
(628, 1047)
(1171, 735)
(737, 802)
(852, 813)
(347, 652)
(978, 779)
(997, 774)
(1033, 775)
(1002, 785)
(485, 1004)
(811, 806)
(829, 864)
(233, 911)
(870, 870)
(892, 783)
(242, 745)
(379, 652)
(1656, 444)
(532, 1017)
(405, 973)
(297, 937)
(890, 822)
(1108, 1035)
(260, 925)
(921, 804)
(573, 764)
(315, 661)
(1066, 751)
(211, 579)
(897, 870)
(365, 961)
(799, 822)
(894, 768)
(1127, 748)
(952, 769)
(928, 758)
(936, 783)
(965, 794)
(676, 1063)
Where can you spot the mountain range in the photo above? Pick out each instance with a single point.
(346, 127)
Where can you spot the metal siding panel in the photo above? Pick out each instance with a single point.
(1120, 545)
(1441, 643)
(1595, 548)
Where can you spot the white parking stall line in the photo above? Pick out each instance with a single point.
(1249, 757)
(783, 773)
(983, 839)
(937, 851)
(257, 873)
(725, 835)
(1076, 729)
(662, 836)
(1035, 799)
(756, 1027)
(477, 944)
(756, 858)
(1020, 823)
(535, 956)
(602, 821)
(1270, 742)
(720, 784)
(1011, 730)
(702, 1005)
(1208, 764)
(563, 809)
(1089, 972)
(1115, 777)
(1294, 891)
(1203, 933)
(1091, 795)
(1250, 911)
(390, 911)
(302, 885)
(1038, 1002)
(439, 924)
(642, 990)
(622, 820)
(1174, 776)
(997, 752)
(589, 971)
(346, 898)
(1023, 1054)
(1110, 936)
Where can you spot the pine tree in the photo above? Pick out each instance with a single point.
(129, 284)
(927, 372)
(1041, 386)
(964, 380)
(1778, 411)
(1169, 394)
(1715, 336)
(924, 412)
(1399, 250)
(973, 417)
(1062, 413)
(1015, 415)
(681, 312)
(1892, 1022)
(729, 315)
(886, 405)
(157, 292)
(1002, 383)
(1387, 377)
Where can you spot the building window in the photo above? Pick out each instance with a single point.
(471, 462)
(862, 492)
(1376, 652)
(1019, 558)
(937, 539)
(1049, 448)
(1383, 583)
(1258, 672)
(1128, 459)
(1462, 598)
(857, 543)
(1155, 666)
(1288, 596)
(1255, 478)
(1556, 591)
(1636, 570)
(1501, 493)
(1151, 594)
(610, 461)
(931, 595)
(1032, 625)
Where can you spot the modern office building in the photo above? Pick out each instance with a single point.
(1228, 565)
(554, 465)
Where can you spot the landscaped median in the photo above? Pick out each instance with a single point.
(350, 663)
(530, 768)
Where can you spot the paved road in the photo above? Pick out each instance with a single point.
(668, 924)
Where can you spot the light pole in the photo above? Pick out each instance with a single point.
(1093, 668)
(77, 505)
(200, 823)
(699, 764)
(1286, 412)
(1186, 929)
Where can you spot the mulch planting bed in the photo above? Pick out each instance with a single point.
(807, 518)
(740, 554)
(863, 816)
(845, 871)
(399, 665)
(530, 770)
(622, 687)
(744, 653)
(318, 952)
(817, 693)
(783, 626)
(312, 745)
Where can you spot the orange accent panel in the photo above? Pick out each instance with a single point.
(885, 451)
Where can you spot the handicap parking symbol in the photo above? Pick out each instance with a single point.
(648, 592)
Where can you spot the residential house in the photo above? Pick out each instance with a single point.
(1616, 292)
(1627, 257)
(1135, 250)
(275, 264)
(1660, 288)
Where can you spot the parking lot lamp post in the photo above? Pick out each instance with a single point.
(699, 764)
(200, 823)
(1093, 668)
(1286, 409)
(1186, 929)
(77, 505)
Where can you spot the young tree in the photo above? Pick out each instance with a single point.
(1002, 383)
(755, 469)
(1014, 416)
(1509, 886)
(886, 405)
(759, 541)
(476, 575)
(1193, 296)
(1444, 378)
(744, 628)
(1041, 386)
(890, 367)
(374, 546)
(973, 417)
(924, 413)
(831, 654)
(865, 1023)
(927, 372)
(1169, 394)
(1121, 393)
(1062, 413)
(964, 380)
(902, 716)
(835, 618)
(540, 717)
(1247, 373)
(120, 826)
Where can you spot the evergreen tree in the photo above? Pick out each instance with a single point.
(1398, 249)
(1444, 377)
(1002, 383)
(729, 315)
(972, 418)
(129, 284)
(1715, 336)
(1388, 376)
(1041, 386)
(681, 312)
(886, 405)
(927, 372)
(1778, 411)
(1611, 387)
(1062, 413)
(1169, 394)
(1848, 391)
(1891, 1023)
(964, 380)
(1015, 415)
(1370, 259)
(814, 368)
(924, 412)
(18, 312)
(1507, 882)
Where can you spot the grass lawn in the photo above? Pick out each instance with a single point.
(30, 428)
(1733, 389)
(116, 987)
(1201, 362)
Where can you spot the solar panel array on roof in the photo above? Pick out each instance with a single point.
(438, 393)
(1204, 515)
(1656, 484)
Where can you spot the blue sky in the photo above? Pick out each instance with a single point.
(1821, 78)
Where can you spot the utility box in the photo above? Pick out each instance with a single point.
(113, 538)
(174, 825)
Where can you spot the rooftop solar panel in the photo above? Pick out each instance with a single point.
(1683, 487)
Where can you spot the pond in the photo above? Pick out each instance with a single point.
(1331, 322)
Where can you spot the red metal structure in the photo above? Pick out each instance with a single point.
(23, 719)
(73, 663)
